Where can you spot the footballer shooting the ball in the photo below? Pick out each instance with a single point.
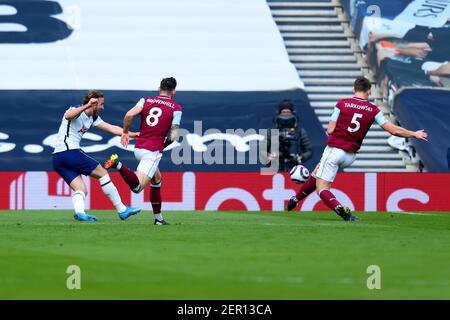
(70, 161)
(160, 120)
(349, 124)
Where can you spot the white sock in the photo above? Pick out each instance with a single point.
(110, 190)
(119, 165)
(78, 201)
(159, 217)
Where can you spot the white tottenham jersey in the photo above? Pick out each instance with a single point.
(71, 131)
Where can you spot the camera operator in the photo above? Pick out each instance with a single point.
(294, 144)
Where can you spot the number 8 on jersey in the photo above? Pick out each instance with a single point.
(153, 116)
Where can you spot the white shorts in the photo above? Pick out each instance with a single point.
(148, 161)
(333, 159)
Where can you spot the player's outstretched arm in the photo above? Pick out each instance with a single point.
(402, 132)
(115, 130)
(74, 113)
(127, 120)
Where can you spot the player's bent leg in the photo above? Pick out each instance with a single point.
(307, 188)
(78, 200)
(155, 198)
(147, 171)
(322, 184)
(128, 175)
(110, 190)
(325, 175)
(323, 190)
(143, 179)
(63, 163)
(147, 167)
(157, 177)
(77, 184)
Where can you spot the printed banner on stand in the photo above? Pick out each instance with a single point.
(247, 191)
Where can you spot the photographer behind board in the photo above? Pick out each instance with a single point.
(294, 144)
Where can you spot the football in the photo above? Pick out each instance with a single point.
(299, 174)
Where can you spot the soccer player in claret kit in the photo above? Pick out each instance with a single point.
(349, 124)
(71, 162)
(160, 120)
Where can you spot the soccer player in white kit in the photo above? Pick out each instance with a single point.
(71, 162)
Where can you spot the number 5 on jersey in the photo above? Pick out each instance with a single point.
(355, 121)
(153, 116)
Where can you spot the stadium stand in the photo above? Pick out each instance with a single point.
(323, 48)
(406, 45)
(425, 108)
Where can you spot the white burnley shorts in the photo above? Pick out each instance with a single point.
(332, 159)
(148, 161)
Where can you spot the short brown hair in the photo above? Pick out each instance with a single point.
(168, 84)
(362, 84)
(92, 94)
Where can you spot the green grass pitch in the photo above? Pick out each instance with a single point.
(224, 255)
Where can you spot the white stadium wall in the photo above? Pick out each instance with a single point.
(208, 45)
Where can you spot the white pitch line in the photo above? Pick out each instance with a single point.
(415, 213)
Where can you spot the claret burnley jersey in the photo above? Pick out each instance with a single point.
(157, 116)
(353, 117)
